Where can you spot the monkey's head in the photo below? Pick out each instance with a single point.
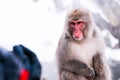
(78, 24)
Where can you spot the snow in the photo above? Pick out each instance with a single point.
(117, 1)
(113, 54)
(113, 40)
(37, 26)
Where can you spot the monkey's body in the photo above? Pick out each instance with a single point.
(77, 50)
(84, 59)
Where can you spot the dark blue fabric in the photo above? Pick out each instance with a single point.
(12, 62)
(9, 68)
(29, 60)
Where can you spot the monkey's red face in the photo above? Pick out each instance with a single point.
(76, 28)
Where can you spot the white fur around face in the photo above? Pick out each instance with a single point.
(84, 52)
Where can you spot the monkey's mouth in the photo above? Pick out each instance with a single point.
(77, 34)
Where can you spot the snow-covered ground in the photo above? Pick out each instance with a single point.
(37, 26)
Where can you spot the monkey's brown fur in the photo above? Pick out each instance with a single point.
(82, 59)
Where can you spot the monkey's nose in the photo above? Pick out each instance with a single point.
(76, 26)
(76, 31)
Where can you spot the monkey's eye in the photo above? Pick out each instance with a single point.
(72, 23)
(78, 22)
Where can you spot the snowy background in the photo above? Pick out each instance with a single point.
(38, 24)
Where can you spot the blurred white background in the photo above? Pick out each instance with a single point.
(35, 25)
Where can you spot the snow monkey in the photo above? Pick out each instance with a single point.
(80, 52)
